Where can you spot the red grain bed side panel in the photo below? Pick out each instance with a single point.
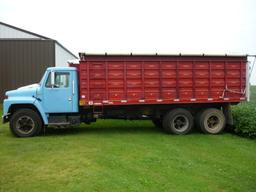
(125, 80)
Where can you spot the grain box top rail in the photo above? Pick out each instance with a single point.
(117, 56)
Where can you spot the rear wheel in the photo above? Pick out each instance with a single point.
(212, 121)
(178, 121)
(25, 123)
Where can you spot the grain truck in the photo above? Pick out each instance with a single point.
(177, 92)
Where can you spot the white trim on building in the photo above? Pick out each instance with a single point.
(62, 56)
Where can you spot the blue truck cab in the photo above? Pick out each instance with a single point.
(52, 101)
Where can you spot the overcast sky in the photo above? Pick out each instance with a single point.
(140, 26)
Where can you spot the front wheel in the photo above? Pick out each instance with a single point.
(178, 121)
(25, 123)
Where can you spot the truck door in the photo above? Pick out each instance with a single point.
(58, 98)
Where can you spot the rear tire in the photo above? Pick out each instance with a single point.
(25, 123)
(178, 121)
(212, 121)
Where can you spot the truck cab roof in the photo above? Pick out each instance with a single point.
(61, 69)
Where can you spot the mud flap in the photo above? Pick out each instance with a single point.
(228, 114)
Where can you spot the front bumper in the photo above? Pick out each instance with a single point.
(5, 118)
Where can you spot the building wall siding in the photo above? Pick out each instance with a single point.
(23, 62)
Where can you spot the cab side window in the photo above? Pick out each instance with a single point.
(61, 80)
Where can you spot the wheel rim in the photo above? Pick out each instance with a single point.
(180, 123)
(25, 124)
(213, 122)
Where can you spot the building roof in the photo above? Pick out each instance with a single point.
(23, 30)
(36, 35)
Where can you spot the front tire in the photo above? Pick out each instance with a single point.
(178, 121)
(212, 121)
(25, 123)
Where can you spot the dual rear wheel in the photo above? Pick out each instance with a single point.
(211, 121)
(181, 121)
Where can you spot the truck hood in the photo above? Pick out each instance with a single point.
(35, 85)
(29, 90)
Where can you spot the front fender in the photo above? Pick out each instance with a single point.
(24, 101)
(39, 107)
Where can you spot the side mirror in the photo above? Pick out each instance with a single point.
(52, 78)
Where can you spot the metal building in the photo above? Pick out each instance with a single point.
(24, 56)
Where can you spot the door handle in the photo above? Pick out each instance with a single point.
(69, 99)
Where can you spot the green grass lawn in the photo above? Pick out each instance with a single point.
(113, 155)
